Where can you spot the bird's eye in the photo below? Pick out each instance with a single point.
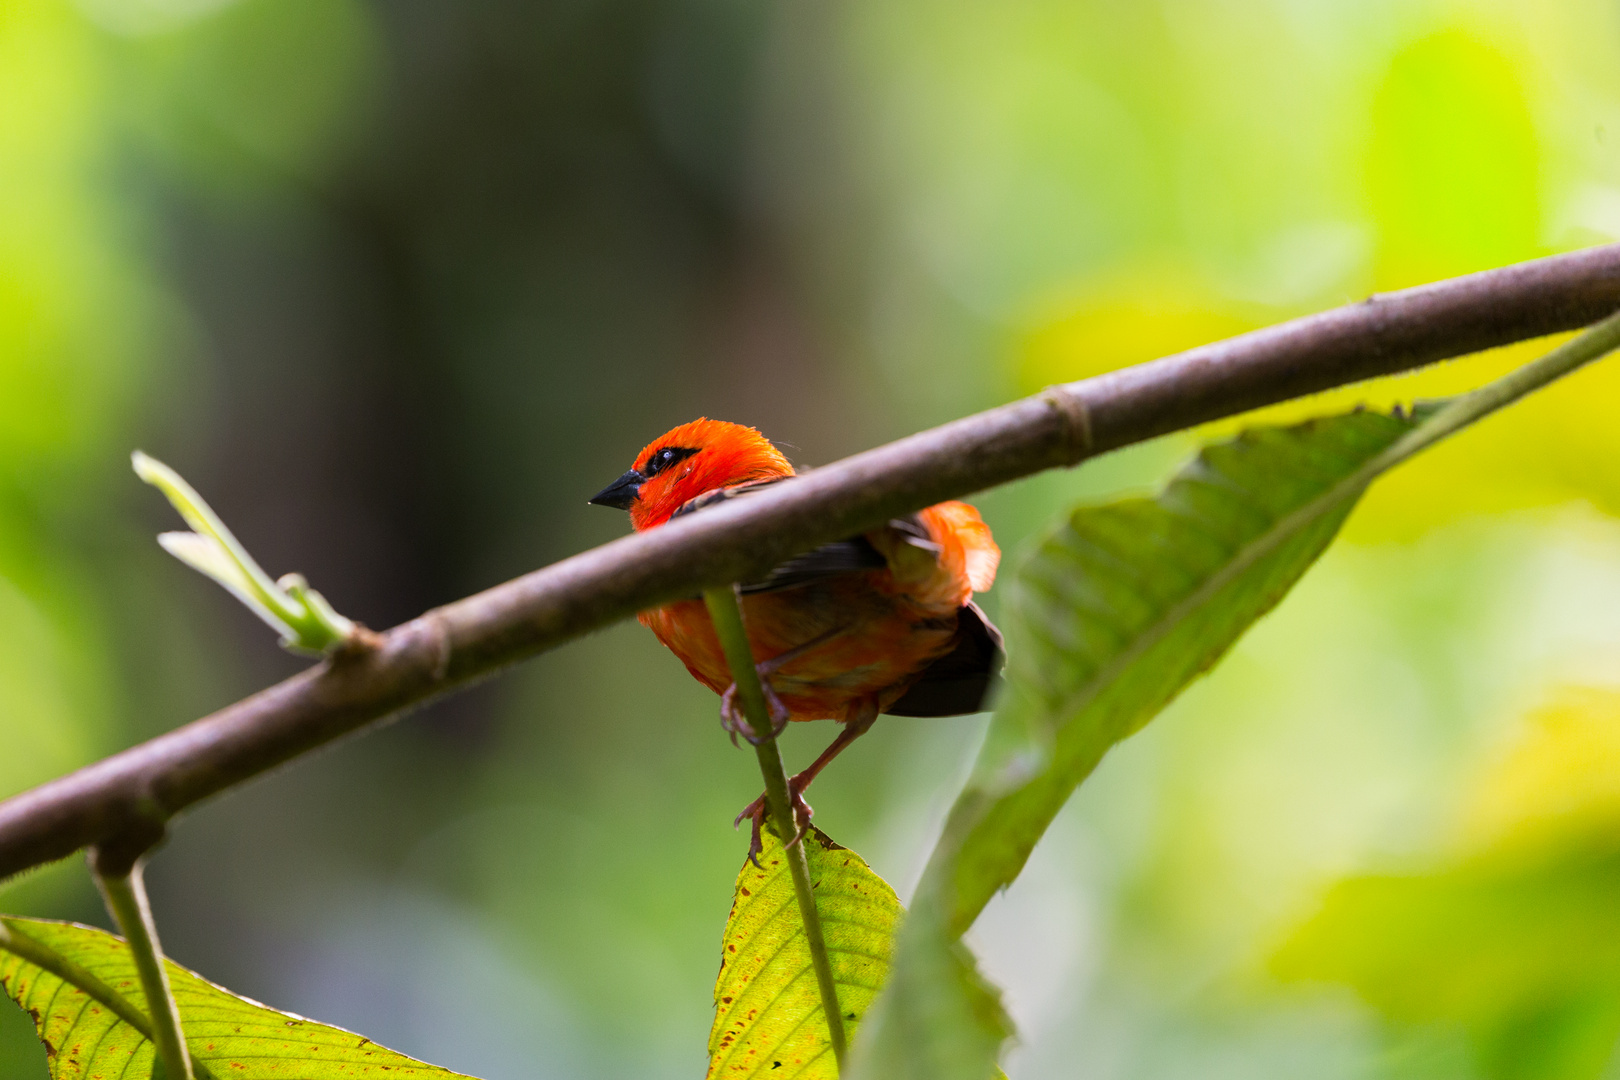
(664, 457)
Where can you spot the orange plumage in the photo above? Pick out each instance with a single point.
(877, 622)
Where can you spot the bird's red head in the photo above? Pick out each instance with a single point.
(683, 463)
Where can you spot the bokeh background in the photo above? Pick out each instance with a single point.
(399, 283)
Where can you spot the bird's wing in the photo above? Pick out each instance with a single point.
(958, 682)
(829, 560)
(818, 564)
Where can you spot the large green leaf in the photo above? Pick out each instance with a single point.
(1123, 605)
(768, 1019)
(1113, 615)
(80, 986)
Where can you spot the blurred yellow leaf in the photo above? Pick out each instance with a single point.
(1560, 783)
(1134, 316)
(1452, 169)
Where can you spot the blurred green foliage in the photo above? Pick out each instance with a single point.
(404, 283)
(1510, 932)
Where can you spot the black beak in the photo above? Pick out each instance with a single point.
(621, 493)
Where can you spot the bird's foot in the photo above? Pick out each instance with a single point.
(757, 810)
(735, 723)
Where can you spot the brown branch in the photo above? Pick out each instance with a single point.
(472, 638)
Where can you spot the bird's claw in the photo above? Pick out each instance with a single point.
(736, 723)
(757, 810)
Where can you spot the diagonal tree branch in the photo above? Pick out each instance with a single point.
(472, 638)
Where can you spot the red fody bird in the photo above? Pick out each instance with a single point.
(878, 623)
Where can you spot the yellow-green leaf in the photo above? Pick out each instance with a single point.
(768, 1018)
(80, 986)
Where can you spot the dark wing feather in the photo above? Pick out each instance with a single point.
(958, 682)
(829, 560)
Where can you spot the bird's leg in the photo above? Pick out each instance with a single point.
(731, 715)
(735, 723)
(862, 714)
(757, 810)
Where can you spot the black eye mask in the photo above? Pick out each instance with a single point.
(664, 457)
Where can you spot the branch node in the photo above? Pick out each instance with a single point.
(117, 855)
(1077, 441)
(361, 642)
(428, 638)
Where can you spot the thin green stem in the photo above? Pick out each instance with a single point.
(1597, 342)
(126, 900)
(726, 614)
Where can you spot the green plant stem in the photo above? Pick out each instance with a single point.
(726, 614)
(126, 900)
(1597, 342)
